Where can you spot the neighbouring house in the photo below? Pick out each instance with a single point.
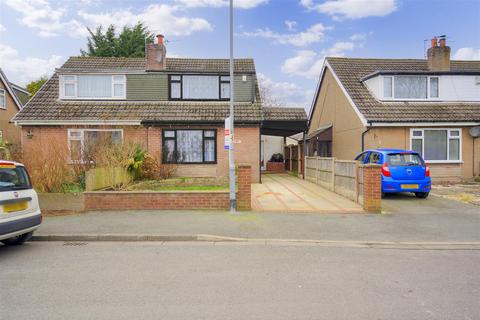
(428, 105)
(174, 107)
(12, 98)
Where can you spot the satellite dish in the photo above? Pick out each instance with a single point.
(475, 132)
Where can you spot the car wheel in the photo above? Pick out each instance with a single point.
(384, 195)
(422, 195)
(18, 240)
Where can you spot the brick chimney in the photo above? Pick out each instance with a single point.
(156, 54)
(439, 55)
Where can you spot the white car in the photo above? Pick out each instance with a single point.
(20, 213)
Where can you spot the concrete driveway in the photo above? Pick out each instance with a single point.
(286, 193)
(408, 203)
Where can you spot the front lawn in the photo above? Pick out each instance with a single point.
(156, 185)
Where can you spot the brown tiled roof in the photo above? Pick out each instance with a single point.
(287, 114)
(89, 64)
(350, 71)
(46, 106)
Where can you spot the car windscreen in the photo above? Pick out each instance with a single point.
(404, 159)
(13, 178)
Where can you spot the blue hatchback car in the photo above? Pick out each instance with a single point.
(402, 171)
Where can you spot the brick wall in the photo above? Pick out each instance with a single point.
(244, 194)
(372, 188)
(246, 149)
(173, 200)
(109, 200)
(275, 166)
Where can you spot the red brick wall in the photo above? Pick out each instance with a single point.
(246, 150)
(275, 166)
(372, 188)
(244, 194)
(110, 200)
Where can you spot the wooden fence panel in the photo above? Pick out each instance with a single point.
(341, 176)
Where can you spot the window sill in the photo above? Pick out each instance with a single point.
(188, 163)
(443, 161)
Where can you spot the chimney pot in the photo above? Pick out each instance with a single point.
(443, 42)
(434, 42)
(160, 38)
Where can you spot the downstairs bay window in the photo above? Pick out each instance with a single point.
(189, 146)
(83, 143)
(437, 145)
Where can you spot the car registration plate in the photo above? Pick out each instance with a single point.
(18, 206)
(409, 186)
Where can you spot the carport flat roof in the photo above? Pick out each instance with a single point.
(279, 121)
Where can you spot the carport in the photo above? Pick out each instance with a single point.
(284, 122)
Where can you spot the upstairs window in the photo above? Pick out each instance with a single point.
(410, 87)
(93, 87)
(199, 87)
(3, 103)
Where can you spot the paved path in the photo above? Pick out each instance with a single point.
(285, 193)
(448, 221)
(235, 281)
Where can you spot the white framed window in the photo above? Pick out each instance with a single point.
(410, 87)
(433, 88)
(81, 141)
(437, 144)
(199, 87)
(3, 101)
(93, 86)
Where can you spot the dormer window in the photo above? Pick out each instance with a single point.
(410, 87)
(199, 87)
(92, 86)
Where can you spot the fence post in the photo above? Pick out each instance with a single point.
(333, 174)
(357, 189)
(291, 160)
(317, 161)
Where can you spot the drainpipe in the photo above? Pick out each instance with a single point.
(363, 135)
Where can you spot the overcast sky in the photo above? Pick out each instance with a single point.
(287, 38)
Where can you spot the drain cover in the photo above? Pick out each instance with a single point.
(74, 244)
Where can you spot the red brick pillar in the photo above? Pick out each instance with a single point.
(372, 188)
(244, 193)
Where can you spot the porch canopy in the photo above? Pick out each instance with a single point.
(283, 122)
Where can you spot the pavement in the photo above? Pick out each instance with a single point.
(198, 280)
(407, 219)
(286, 193)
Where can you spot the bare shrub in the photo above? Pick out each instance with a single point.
(149, 168)
(152, 169)
(48, 165)
(166, 170)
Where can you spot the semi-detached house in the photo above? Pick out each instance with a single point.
(428, 105)
(174, 107)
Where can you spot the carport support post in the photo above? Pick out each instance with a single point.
(304, 156)
(333, 174)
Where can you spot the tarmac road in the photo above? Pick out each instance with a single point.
(204, 280)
